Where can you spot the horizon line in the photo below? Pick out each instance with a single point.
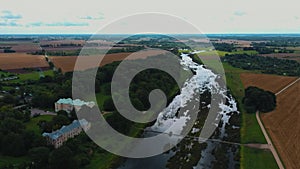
(221, 33)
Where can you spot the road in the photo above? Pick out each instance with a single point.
(269, 141)
(41, 112)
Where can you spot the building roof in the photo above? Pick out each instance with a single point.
(65, 101)
(65, 129)
(75, 102)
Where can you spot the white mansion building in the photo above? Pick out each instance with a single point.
(68, 104)
(58, 137)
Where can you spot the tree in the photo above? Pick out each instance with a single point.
(28, 138)
(44, 99)
(62, 158)
(9, 99)
(59, 120)
(10, 125)
(12, 144)
(108, 105)
(259, 100)
(39, 156)
(63, 113)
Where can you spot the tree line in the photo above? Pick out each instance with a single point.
(270, 65)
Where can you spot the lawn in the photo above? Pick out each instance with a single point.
(101, 161)
(258, 159)
(223, 53)
(32, 124)
(6, 74)
(7, 160)
(32, 76)
(101, 99)
(250, 131)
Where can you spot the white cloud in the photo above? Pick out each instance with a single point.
(210, 16)
(58, 24)
(11, 24)
(88, 17)
(9, 15)
(239, 13)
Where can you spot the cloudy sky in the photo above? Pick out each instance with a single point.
(210, 16)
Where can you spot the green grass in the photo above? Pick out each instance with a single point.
(101, 99)
(7, 88)
(32, 124)
(6, 160)
(258, 159)
(5, 73)
(223, 53)
(249, 52)
(213, 53)
(101, 161)
(32, 76)
(250, 131)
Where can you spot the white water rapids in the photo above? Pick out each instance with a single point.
(204, 79)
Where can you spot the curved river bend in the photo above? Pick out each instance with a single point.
(202, 81)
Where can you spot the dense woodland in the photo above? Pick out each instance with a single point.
(264, 64)
(17, 141)
(224, 47)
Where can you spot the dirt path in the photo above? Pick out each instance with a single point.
(269, 141)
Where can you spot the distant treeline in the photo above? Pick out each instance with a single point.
(281, 43)
(265, 64)
(261, 49)
(224, 47)
(16, 39)
(62, 45)
(260, 37)
(9, 51)
(88, 51)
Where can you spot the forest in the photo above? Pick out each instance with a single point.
(268, 65)
(18, 141)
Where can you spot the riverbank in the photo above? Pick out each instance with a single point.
(250, 131)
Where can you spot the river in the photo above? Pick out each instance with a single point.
(209, 155)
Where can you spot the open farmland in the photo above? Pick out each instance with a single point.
(15, 61)
(290, 56)
(283, 125)
(56, 43)
(273, 83)
(20, 46)
(67, 63)
(239, 43)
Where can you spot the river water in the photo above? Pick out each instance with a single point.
(202, 80)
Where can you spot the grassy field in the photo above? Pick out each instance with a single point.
(101, 161)
(258, 159)
(250, 131)
(32, 124)
(32, 76)
(100, 99)
(223, 53)
(3, 73)
(7, 160)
